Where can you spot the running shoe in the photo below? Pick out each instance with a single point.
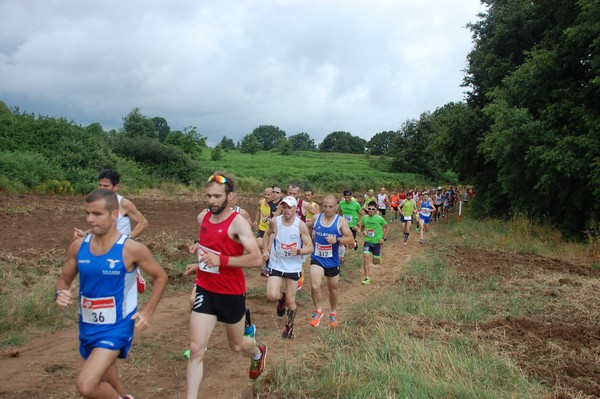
(127, 397)
(258, 366)
(315, 320)
(355, 245)
(421, 242)
(141, 283)
(333, 320)
(405, 244)
(250, 332)
(366, 281)
(187, 353)
(281, 306)
(301, 281)
(288, 331)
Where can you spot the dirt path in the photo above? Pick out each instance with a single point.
(46, 367)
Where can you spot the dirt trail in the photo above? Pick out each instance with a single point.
(46, 366)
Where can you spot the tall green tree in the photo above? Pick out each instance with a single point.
(227, 144)
(137, 125)
(250, 144)
(343, 142)
(268, 136)
(542, 148)
(381, 142)
(302, 142)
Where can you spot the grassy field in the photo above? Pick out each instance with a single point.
(313, 170)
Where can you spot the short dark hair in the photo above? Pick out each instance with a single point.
(111, 175)
(112, 203)
(372, 203)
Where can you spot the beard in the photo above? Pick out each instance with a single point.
(216, 210)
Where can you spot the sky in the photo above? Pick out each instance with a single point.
(229, 66)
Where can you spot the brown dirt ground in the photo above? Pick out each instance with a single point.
(560, 346)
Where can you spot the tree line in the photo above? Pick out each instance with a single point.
(527, 134)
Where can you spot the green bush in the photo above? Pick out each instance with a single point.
(28, 168)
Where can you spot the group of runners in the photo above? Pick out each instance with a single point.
(291, 231)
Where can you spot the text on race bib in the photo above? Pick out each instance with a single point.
(324, 250)
(348, 218)
(98, 310)
(202, 250)
(370, 232)
(286, 249)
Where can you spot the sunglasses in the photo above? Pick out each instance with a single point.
(371, 209)
(220, 179)
(276, 192)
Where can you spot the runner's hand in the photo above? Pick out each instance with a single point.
(191, 269)
(140, 320)
(65, 298)
(78, 233)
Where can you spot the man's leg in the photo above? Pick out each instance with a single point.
(112, 377)
(332, 286)
(201, 328)
(316, 276)
(91, 382)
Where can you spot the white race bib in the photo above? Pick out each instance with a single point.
(407, 218)
(324, 250)
(98, 310)
(348, 218)
(370, 233)
(202, 250)
(286, 249)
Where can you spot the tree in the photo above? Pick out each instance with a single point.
(137, 125)
(302, 142)
(227, 144)
(250, 144)
(411, 147)
(343, 142)
(268, 136)
(161, 127)
(379, 144)
(217, 153)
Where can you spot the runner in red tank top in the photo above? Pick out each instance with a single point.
(220, 285)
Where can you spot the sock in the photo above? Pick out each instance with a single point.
(257, 357)
(291, 315)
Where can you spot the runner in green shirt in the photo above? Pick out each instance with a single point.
(351, 211)
(376, 230)
(408, 209)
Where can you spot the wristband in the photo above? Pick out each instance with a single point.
(338, 239)
(223, 260)
(56, 294)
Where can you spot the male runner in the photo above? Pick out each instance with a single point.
(286, 240)
(106, 262)
(351, 211)
(111, 180)
(225, 246)
(407, 210)
(376, 230)
(329, 231)
(382, 200)
(263, 215)
(394, 203)
(426, 207)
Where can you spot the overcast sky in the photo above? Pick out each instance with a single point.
(226, 67)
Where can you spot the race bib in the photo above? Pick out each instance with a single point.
(348, 218)
(98, 310)
(407, 218)
(202, 250)
(324, 250)
(286, 249)
(370, 233)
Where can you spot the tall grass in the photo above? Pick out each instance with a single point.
(400, 344)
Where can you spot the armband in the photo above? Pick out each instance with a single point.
(223, 260)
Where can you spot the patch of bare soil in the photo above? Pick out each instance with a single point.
(559, 346)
